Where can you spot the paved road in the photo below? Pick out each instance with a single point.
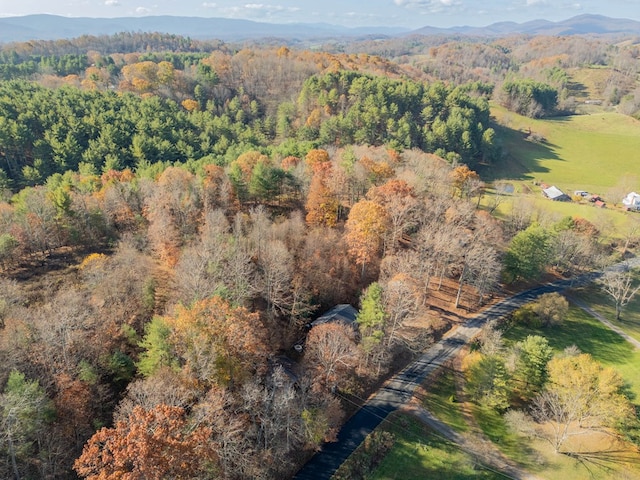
(399, 389)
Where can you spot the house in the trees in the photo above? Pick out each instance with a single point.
(632, 201)
(555, 194)
(343, 312)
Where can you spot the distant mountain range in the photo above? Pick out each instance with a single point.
(52, 27)
(580, 25)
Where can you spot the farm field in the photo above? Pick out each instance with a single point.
(597, 153)
(594, 152)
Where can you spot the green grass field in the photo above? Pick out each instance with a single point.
(439, 399)
(418, 454)
(592, 337)
(593, 152)
(600, 302)
(597, 153)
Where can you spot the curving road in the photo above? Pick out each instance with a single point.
(400, 388)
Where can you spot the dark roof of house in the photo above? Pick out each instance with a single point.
(340, 313)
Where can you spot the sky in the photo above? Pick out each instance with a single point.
(355, 13)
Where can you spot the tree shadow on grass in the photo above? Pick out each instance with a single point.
(583, 331)
(512, 445)
(607, 461)
(522, 155)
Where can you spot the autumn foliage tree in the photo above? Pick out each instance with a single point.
(465, 181)
(581, 395)
(158, 443)
(400, 202)
(216, 343)
(322, 204)
(365, 228)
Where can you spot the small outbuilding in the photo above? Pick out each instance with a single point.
(555, 194)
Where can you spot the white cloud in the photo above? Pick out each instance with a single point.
(112, 3)
(209, 5)
(531, 3)
(259, 10)
(261, 7)
(143, 10)
(431, 6)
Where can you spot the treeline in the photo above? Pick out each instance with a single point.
(549, 60)
(346, 107)
(552, 60)
(124, 42)
(44, 131)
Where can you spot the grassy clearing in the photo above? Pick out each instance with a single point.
(608, 458)
(616, 462)
(440, 400)
(574, 151)
(417, 454)
(611, 222)
(590, 336)
(595, 153)
(603, 304)
(589, 82)
(511, 444)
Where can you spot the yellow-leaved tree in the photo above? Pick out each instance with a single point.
(365, 229)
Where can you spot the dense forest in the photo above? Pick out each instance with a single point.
(174, 213)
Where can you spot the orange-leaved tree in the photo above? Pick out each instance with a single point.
(365, 228)
(158, 443)
(322, 204)
(401, 204)
(466, 182)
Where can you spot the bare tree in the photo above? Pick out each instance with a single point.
(331, 353)
(621, 285)
(490, 338)
(275, 272)
(400, 299)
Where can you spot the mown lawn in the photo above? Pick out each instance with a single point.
(599, 301)
(440, 399)
(419, 454)
(590, 336)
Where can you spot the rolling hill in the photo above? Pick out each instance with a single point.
(52, 27)
(579, 25)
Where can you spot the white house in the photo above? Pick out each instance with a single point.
(632, 201)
